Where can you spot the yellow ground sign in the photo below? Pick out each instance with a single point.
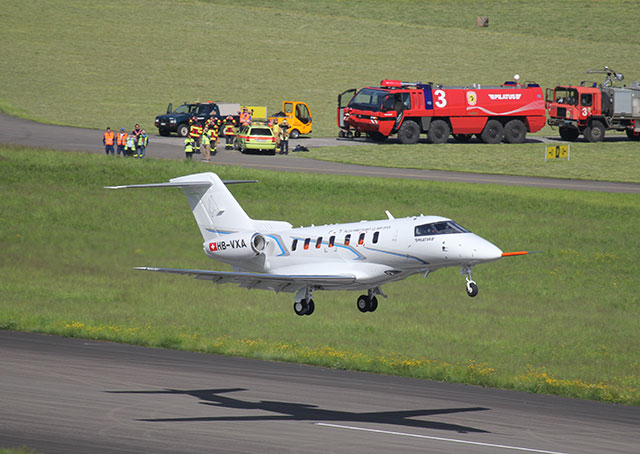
(556, 152)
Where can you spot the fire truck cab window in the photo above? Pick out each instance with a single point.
(368, 99)
(567, 96)
(586, 99)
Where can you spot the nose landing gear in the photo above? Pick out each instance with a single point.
(472, 287)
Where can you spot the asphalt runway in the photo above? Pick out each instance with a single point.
(29, 133)
(62, 395)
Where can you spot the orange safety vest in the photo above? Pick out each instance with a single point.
(121, 138)
(245, 117)
(108, 137)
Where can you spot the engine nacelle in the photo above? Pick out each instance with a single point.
(240, 246)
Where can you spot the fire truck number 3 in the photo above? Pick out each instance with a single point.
(441, 99)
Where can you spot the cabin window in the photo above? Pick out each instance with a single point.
(294, 244)
(306, 243)
(332, 240)
(586, 99)
(318, 242)
(361, 239)
(347, 240)
(375, 237)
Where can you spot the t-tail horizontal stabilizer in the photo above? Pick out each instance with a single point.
(214, 207)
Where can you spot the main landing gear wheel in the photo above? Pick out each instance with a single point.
(304, 307)
(366, 303)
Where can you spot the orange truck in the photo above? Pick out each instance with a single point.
(298, 116)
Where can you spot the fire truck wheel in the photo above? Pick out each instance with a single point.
(294, 134)
(493, 132)
(464, 138)
(438, 132)
(341, 133)
(377, 136)
(594, 132)
(569, 134)
(515, 131)
(632, 135)
(409, 132)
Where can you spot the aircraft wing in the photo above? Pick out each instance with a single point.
(276, 282)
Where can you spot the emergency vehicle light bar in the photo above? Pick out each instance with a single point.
(398, 83)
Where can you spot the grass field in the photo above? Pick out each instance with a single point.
(562, 322)
(610, 161)
(117, 63)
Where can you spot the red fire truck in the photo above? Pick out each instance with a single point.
(493, 113)
(590, 108)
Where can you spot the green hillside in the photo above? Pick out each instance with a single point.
(117, 63)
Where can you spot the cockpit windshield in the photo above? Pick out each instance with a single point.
(368, 99)
(439, 228)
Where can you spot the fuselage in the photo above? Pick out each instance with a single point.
(375, 252)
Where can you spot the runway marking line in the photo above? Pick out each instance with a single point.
(451, 440)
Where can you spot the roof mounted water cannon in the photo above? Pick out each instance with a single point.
(608, 81)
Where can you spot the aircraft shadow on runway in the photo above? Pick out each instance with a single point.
(289, 411)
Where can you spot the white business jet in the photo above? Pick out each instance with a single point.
(272, 255)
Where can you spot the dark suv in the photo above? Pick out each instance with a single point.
(178, 120)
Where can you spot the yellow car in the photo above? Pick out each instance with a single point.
(255, 136)
(298, 116)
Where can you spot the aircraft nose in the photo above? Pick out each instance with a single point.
(486, 251)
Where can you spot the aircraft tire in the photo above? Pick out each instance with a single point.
(374, 304)
(310, 307)
(300, 307)
(472, 289)
(363, 303)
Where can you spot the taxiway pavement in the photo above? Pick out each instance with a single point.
(29, 133)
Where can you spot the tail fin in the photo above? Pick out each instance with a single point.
(214, 207)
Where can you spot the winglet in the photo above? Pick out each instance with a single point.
(389, 215)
